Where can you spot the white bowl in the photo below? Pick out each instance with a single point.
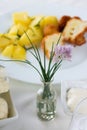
(12, 112)
(65, 87)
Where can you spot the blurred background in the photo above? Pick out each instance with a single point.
(8, 5)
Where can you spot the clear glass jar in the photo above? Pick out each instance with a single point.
(46, 101)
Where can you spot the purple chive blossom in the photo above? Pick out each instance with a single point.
(62, 52)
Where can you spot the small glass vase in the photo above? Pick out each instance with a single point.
(46, 101)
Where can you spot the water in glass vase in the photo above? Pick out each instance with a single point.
(46, 102)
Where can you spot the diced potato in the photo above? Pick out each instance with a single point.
(4, 41)
(18, 29)
(22, 18)
(13, 38)
(8, 51)
(35, 36)
(14, 51)
(47, 20)
(19, 53)
(21, 29)
(36, 21)
(13, 30)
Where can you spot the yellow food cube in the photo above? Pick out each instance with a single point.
(8, 51)
(13, 30)
(35, 36)
(19, 53)
(18, 29)
(12, 36)
(22, 18)
(4, 41)
(14, 51)
(36, 21)
(47, 20)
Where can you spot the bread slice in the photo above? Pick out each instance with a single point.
(63, 21)
(49, 41)
(74, 31)
(49, 29)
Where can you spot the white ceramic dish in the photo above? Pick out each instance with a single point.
(12, 112)
(69, 70)
(65, 87)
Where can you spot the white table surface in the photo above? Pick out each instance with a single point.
(24, 94)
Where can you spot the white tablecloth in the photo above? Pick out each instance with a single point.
(24, 97)
(24, 94)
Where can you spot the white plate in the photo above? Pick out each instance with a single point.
(76, 69)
